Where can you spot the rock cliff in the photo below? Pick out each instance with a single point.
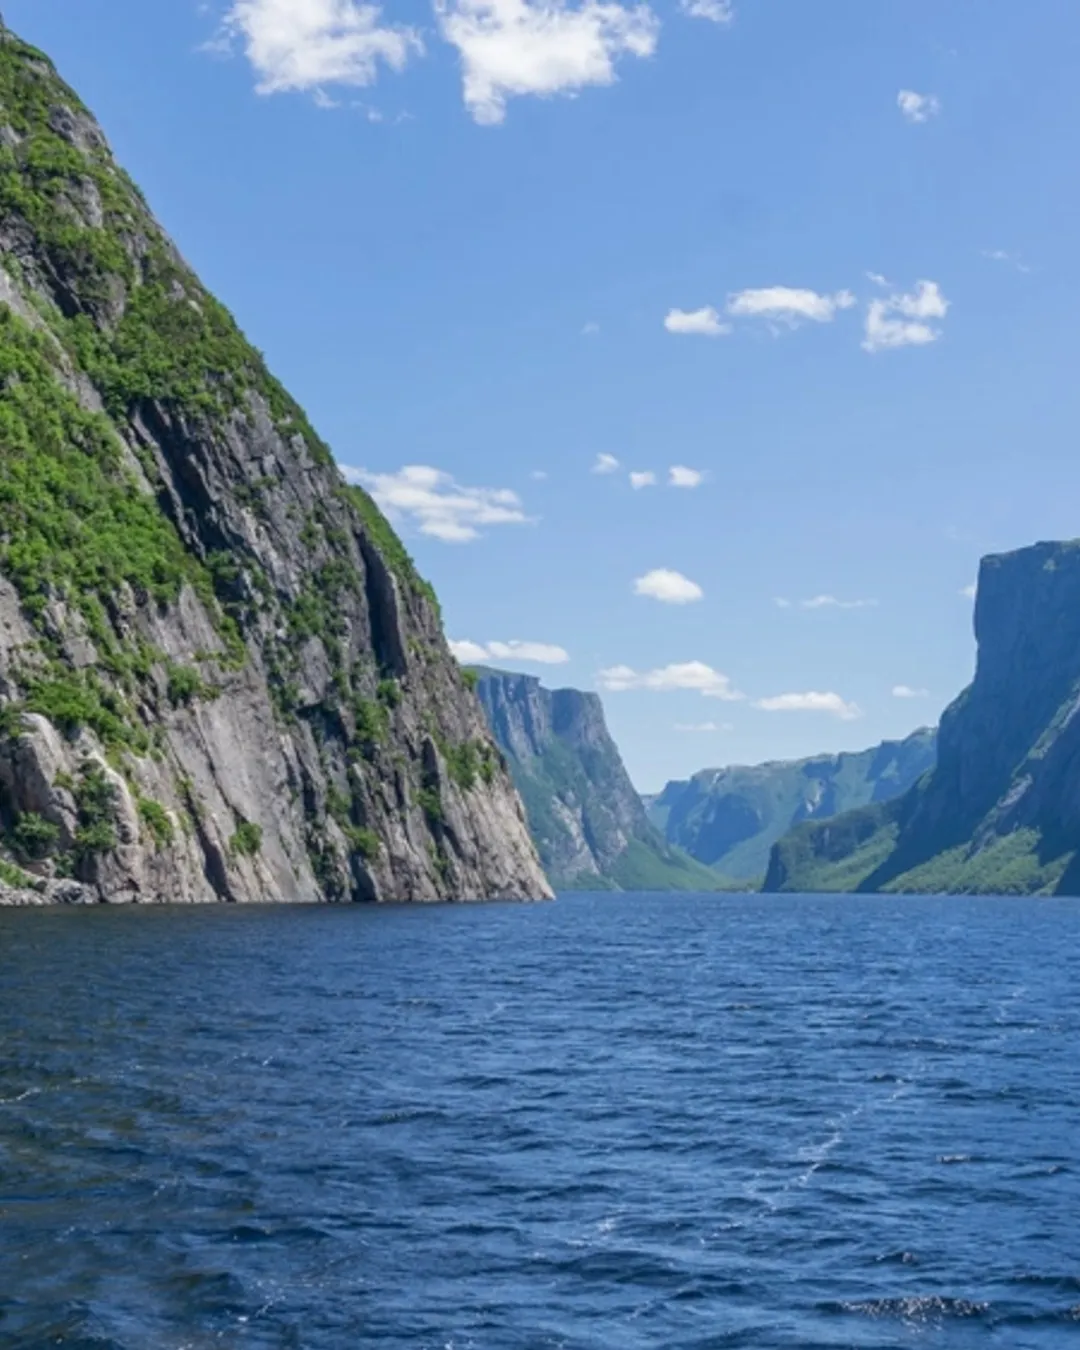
(588, 822)
(730, 818)
(1001, 811)
(221, 677)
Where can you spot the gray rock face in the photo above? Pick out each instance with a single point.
(250, 698)
(1001, 812)
(588, 822)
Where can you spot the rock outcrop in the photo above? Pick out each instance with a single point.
(586, 819)
(730, 818)
(221, 677)
(1001, 811)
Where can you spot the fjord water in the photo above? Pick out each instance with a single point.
(614, 1121)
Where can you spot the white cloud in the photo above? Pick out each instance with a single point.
(692, 675)
(605, 464)
(918, 107)
(968, 592)
(304, 44)
(879, 280)
(906, 691)
(541, 653)
(811, 702)
(831, 602)
(511, 48)
(643, 480)
(538, 475)
(900, 320)
(781, 603)
(716, 11)
(680, 476)
(788, 304)
(590, 329)
(468, 653)
(704, 726)
(438, 505)
(704, 322)
(670, 587)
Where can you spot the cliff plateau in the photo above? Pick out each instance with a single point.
(587, 821)
(1001, 811)
(730, 818)
(221, 677)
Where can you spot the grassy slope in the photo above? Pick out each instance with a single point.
(1013, 864)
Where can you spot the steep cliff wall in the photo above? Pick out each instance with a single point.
(221, 677)
(1001, 812)
(588, 822)
(730, 818)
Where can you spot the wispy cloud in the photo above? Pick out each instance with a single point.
(704, 727)
(512, 48)
(832, 602)
(906, 691)
(306, 44)
(679, 476)
(591, 329)
(672, 588)
(642, 480)
(704, 322)
(437, 504)
(605, 464)
(695, 676)
(789, 305)
(1001, 256)
(716, 11)
(539, 653)
(968, 592)
(903, 319)
(823, 602)
(812, 701)
(918, 107)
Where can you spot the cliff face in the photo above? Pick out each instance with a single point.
(588, 823)
(1001, 812)
(730, 818)
(221, 677)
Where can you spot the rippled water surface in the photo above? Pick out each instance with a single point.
(609, 1122)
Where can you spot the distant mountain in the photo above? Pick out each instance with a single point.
(1001, 812)
(586, 819)
(730, 818)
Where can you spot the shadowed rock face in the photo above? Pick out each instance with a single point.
(730, 818)
(1002, 809)
(221, 677)
(588, 822)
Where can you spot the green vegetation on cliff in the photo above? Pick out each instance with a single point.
(730, 818)
(196, 612)
(587, 821)
(1000, 814)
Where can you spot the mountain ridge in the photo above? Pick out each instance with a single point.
(221, 676)
(730, 817)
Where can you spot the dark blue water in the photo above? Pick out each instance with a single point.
(609, 1122)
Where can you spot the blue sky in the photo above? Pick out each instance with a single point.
(496, 240)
